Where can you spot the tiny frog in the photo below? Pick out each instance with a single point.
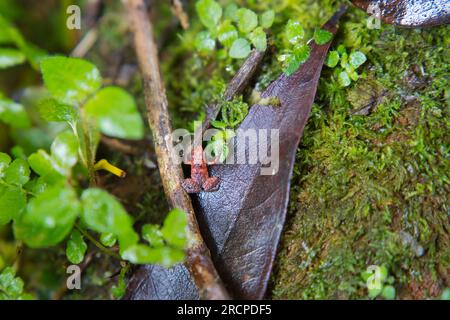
(200, 178)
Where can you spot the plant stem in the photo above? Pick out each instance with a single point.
(97, 243)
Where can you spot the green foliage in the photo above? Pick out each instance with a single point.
(70, 80)
(237, 28)
(296, 52)
(51, 110)
(209, 12)
(247, 20)
(267, 19)
(48, 218)
(172, 233)
(104, 214)
(11, 287)
(13, 114)
(116, 113)
(10, 58)
(322, 36)
(76, 247)
(240, 49)
(346, 72)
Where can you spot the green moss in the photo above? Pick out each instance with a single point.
(372, 189)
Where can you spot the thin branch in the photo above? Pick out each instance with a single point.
(198, 260)
(178, 11)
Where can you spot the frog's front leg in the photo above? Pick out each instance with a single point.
(191, 186)
(211, 184)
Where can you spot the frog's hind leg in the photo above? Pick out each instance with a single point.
(191, 186)
(211, 184)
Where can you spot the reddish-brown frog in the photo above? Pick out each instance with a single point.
(200, 178)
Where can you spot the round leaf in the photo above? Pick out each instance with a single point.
(65, 149)
(52, 110)
(12, 202)
(174, 228)
(5, 160)
(267, 18)
(332, 59)
(10, 57)
(227, 33)
(258, 39)
(13, 114)
(76, 247)
(322, 36)
(48, 218)
(209, 12)
(116, 113)
(18, 172)
(103, 213)
(357, 58)
(240, 49)
(247, 20)
(152, 235)
(204, 43)
(294, 31)
(70, 80)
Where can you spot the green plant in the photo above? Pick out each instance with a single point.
(9, 57)
(11, 287)
(346, 72)
(297, 51)
(48, 204)
(236, 29)
(379, 283)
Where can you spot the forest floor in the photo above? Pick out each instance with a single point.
(370, 184)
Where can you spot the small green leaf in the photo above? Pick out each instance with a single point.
(119, 289)
(344, 79)
(227, 33)
(294, 31)
(11, 287)
(12, 203)
(174, 228)
(204, 42)
(5, 160)
(332, 59)
(108, 239)
(76, 247)
(240, 49)
(209, 12)
(374, 292)
(65, 149)
(70, 80)
(48, 218)
(103, 213)
(231, 12)
(357, 58)
(13, 114)
(10, 57)
(18, 173)
(267, 18)
(218, 124)
(44, 165)
(322, 36)
(152, 235)
(116, 113)
(258, 39)
(247, 20)
(142, 254)
(388, 293)
(52, 110)
(300, 55)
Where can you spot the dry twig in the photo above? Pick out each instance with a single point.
(198, 259)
